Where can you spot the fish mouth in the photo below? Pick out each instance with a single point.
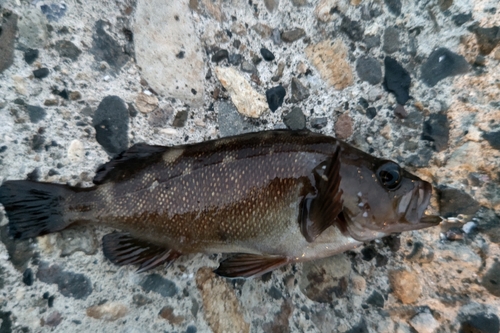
(413, 205)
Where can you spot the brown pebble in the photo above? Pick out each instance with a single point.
(168, 313)
(400, 112)
(107, 311)
(146, 103)
(405, 285)
(343, 126)
(221, 307)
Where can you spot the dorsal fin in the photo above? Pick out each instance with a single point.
(128, 162)
(320, 211)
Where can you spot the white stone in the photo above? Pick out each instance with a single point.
(20, 84)
(162, 31)
(76, 151)
(248, 102)
(424, 323)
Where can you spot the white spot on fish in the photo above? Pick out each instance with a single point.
(365, 214)
(360, 194)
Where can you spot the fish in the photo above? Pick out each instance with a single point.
(267, 199)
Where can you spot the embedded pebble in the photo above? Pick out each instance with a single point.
(70, 284)
(220, 55)
(106, 48)
(299, 92)
(76, 151)
(41, 73)
(146, 102)
(441, 64)
(453, 201)
(391, 40)
(8, 22)
(158, 284)
(266, 54)
(275, 97)
(248, 102)
(295, 119)
(110, 121)
(369, 70)
(405, 285)
(67, 49)
(30, 55)
(109, 311)
(36, 113)
(343, 126)
(397, 80)
(481, 323)
(77, 239)
(290, 36)
(424, 323)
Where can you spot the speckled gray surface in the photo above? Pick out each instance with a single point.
(80, 81)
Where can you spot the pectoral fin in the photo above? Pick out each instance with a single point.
(249, 265)
(320, 210)
(122, 249)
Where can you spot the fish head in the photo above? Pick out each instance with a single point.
(381, 198)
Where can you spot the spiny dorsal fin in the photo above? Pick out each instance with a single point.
(249, 265)
(122, 249)
(128, 162)
(320, 211)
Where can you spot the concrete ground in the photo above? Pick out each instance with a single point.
(417, 82)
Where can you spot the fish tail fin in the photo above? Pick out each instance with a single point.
(34, 208)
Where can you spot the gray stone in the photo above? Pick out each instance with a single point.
(453, 201)
(8, 24)
(319, 122)
(156, 50)
(437, 130)
(271, 5)
(235, 59)
(105, 48)
(36, 113)
(33, 29)
(231, 122)
(110, 121)
(487, 38)
(180, 119)
(299, 3)
(295, 119)
(369, 70)
(279, 72)
(325, 280)
(30, 55)
(376, 299)
(248, 67)
(391, 40)
(441, 64)
(372, 41)
(67, 49)
(158, 284)
(298, 90)
(291, 36)
(481, 323)
(276, 36)
(75, 239)
(70, 284)
(20, 251)
(54, 12)
(41, 73)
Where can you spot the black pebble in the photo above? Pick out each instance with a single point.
(319, 122)
(453, 201)
(63, 93)
(363, 102)
(110, 121)
(36, 113)
(3, 149)
(376, 299)
(30, 55)
(275, 293)
(28, 277)
(107, 49)
(236, 43)
(235, 59)
(275, 97)
(481, 323)
(266, 54)
(381, 260)
(397, 80)
(50, 301)
(369, 70)
(353, 29)
(69, 284)
(460, 19)
(394, 6)
(220, 55)
(371, 112)
(368, 253)
(37, 142)
(158, 284)
(191, 329)
(437, 130)
(41, 73)
(493, 138)
(53, 172)
(359, 328)
(441, 64)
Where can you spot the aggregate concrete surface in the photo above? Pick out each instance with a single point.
(417, 82)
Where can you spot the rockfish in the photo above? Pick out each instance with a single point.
(270, 198)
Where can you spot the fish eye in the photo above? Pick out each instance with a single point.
(389, 174)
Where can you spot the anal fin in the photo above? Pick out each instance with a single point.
(123, 249)
(320, 211)
(249, 265)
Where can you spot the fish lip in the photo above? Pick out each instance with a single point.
(415, 211)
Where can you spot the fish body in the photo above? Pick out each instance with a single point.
(270, 198)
